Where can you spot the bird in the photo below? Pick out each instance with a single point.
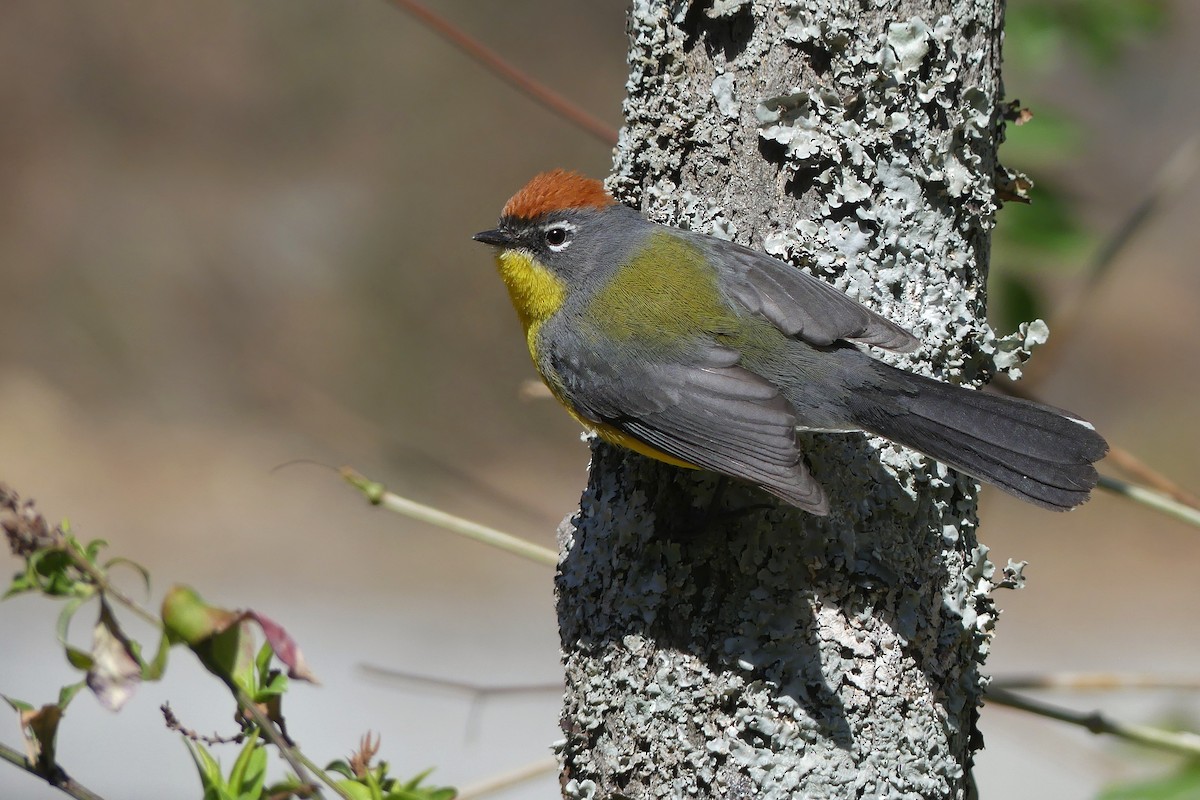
(705, 354)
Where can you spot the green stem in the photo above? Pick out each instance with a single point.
(1151, 498)
(60, 780)
(1094, 681)
(507, 780)
(101, 582)
(300, 763)
(1183, 742)
(378, 495)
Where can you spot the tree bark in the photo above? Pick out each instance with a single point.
(716, 643)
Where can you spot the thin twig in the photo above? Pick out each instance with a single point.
(477, 694)
(510, 74)
(1183, 742)
(1172, 178)
(1174, 175)
(1140, 471)
(60, 780)
(1094, 681)
(464, 687)
(174, 724)
(1120, 457)
(378, 495)
(101, 582)
(300, 763)
(506, 779)
(313, 407)
(1152, 499)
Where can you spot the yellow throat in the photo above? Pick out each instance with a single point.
(536, 292)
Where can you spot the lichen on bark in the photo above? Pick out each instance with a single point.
(715, 643)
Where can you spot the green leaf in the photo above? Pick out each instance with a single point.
(262, 662)
(78, 659)
(359, 791)
(63, 626)
(22, 582)
(187, 618)
(153, 670)
(17, 705)
(249, 771)
(276, 685)
(1182, 785)
(210, 772)
(51, 571)
(136, 567)
(416, 780)
(90, 551)
(67, 693)
(230, 656)
(414, 791)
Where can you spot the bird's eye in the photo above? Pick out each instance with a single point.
(557, 236)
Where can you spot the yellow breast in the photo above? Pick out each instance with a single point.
(537, 294)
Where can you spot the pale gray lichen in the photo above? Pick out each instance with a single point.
(1010, 352)
(769, 654)
(724, 93)
(725, 8)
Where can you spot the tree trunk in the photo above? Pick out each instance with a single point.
(717, 644)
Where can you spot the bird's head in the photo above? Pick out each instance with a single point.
(563, 222)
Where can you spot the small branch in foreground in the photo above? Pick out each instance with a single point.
(1120, 457)
(506, 780)
(1152, 499)
(1095, 681)
(61, 781)
(1142, 472)
(463, 687)
(380, 496)
(295, 758)
(1183, 742)
(174, 724)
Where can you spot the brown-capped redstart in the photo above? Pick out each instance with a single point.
(702, 353)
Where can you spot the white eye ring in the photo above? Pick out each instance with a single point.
(558, 235)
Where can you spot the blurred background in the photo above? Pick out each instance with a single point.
(234, 235)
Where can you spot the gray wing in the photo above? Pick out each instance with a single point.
(711, 413)
(801, 305)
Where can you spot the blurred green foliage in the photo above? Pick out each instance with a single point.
(1046, 235)
(1038, 31)
(1181, 785)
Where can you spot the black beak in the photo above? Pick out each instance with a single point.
(497, 237)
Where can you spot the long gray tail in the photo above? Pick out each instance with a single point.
(1035, 452)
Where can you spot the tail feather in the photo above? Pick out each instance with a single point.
(1035, 452)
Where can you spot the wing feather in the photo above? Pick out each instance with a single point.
(711, 413)
(801, 305)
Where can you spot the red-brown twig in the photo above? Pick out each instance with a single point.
(510, 74)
